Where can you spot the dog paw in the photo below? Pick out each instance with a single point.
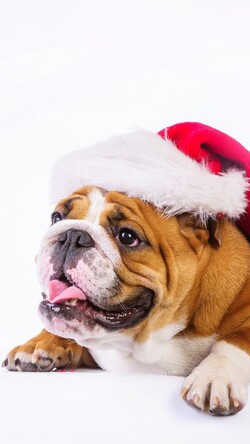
(43, 353)
(217, 386)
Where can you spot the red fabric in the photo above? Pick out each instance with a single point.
(218, 150)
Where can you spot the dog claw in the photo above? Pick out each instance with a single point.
(184, 392)
(44, 363)
(5, 363)
(236, 403)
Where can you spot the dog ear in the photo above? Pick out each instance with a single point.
(213, 225)
(198, 233)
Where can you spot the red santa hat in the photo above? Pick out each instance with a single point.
(187, 167)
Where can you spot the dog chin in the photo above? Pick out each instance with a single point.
(82, 318)
(70, 328)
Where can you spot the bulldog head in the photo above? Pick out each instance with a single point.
(110, 262)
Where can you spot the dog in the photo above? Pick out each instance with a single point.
(143, 268)
(127, 289)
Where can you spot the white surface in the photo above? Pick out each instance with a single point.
(71, 73)
(99, 407)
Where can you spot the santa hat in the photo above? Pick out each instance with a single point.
(187, 167)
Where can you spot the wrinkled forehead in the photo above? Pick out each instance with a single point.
(96, 205)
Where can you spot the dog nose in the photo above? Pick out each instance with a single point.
(76, 239)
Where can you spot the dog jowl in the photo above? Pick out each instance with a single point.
(126, 288)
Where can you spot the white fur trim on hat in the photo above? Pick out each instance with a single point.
(142, 164)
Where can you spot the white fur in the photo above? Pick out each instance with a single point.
(174, 355)
(96, 206)
(143, 165)
(162, 353)
(220, 381)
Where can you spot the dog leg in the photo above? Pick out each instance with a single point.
(220, 383)
(46, 352)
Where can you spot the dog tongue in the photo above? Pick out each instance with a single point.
(61, 291)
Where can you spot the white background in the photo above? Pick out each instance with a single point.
(71, 73)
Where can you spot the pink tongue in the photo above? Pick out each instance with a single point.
(61, 291)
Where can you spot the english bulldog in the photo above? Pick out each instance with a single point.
(127, 289)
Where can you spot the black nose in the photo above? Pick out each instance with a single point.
(75, 239)
(69, 249)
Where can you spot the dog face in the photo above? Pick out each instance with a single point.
(113, 263)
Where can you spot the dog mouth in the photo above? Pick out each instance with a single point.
(68, 302)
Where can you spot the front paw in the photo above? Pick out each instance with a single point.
(43, 353)
(217, 386)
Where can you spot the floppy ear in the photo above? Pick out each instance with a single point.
(198, 233)
(213, 226)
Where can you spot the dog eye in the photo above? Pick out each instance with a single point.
(128, 237)
(56, 217)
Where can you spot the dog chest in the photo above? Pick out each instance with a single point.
(159, 354)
